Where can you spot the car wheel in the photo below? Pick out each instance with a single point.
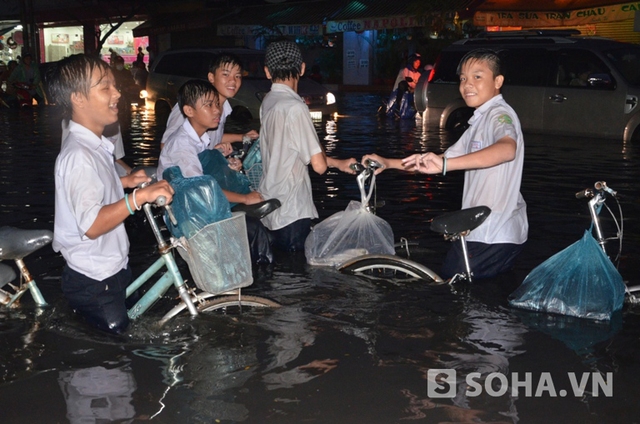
(459, 119)
(163, 110)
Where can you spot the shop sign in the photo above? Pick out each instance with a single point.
(592, 15)
(359, 25)
(248, 30)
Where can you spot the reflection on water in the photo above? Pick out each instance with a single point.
(341, 349)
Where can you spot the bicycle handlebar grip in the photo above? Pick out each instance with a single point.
(587, 192)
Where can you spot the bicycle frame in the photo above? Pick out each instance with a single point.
(160, 287)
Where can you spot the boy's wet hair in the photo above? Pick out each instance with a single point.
(224, 58)
(482, 55)
(73, 75)
(283, 59)
(194, 90)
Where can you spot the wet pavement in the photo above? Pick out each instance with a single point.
(342, 349)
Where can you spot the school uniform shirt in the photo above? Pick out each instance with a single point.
(86, 180)
(497, 187)
(288, 140)
(176, 119)
(182, 149)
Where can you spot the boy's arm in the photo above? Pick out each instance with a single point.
(503, 150)
(233, 138)
(247, 199)
(320, 162)
(386, 163)
(110, 216)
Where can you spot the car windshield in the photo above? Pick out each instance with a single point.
(626, 61)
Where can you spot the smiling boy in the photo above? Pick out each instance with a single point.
(199, 103)
(491, 152)
(90, 203)
(225, 74)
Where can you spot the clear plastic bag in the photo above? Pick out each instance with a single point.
(197, 202)
(349, 233)
(579, 281)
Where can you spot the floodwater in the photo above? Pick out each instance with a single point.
(342, 349)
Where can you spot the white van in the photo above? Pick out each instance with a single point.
(173, 68)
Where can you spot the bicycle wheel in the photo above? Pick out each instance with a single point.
(389, 266)
(232, 304)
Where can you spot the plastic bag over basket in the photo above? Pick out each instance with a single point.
(579, 281)
(197, 202)
(218, 255)
(215, 164)
(349, 233)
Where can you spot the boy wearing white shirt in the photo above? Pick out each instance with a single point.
(90, 202)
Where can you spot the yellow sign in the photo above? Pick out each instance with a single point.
(592, 15)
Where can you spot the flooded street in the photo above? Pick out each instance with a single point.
(342, 349)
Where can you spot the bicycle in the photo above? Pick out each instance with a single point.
(456, 225)
(452, 225)
(16, 244)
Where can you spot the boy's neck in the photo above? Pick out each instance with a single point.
(199, 131)
(89, 124)
(292, 83)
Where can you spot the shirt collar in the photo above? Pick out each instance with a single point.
(276, 86)
(477, 114)
(89, 139)
(193, 135)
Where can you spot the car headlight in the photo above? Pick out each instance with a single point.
(331, 99)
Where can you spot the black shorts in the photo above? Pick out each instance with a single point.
(486, 260)
(101, 303)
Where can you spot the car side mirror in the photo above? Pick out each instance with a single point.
(600, 80)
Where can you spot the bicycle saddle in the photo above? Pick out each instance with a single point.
(460, 221)
(7, 274)
(16, 243)
(258, 210)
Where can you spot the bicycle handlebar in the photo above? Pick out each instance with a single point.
(371, 165)
(599, 186)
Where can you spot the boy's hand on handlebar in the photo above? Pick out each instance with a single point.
(225, 148)
(235, 164)
(135, 179)
(253, 134)
(150, 193)
(344, 165)
(384, 162)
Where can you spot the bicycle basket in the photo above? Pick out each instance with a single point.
(218, 255)
(254, 174)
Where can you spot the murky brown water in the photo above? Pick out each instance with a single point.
(342, 349)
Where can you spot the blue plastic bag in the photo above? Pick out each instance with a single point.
(197, 202)
(215, 164)
(579, 281)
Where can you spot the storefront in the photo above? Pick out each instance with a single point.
(59, 42)
(619, 21)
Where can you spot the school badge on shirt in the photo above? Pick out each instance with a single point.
(505, 119)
